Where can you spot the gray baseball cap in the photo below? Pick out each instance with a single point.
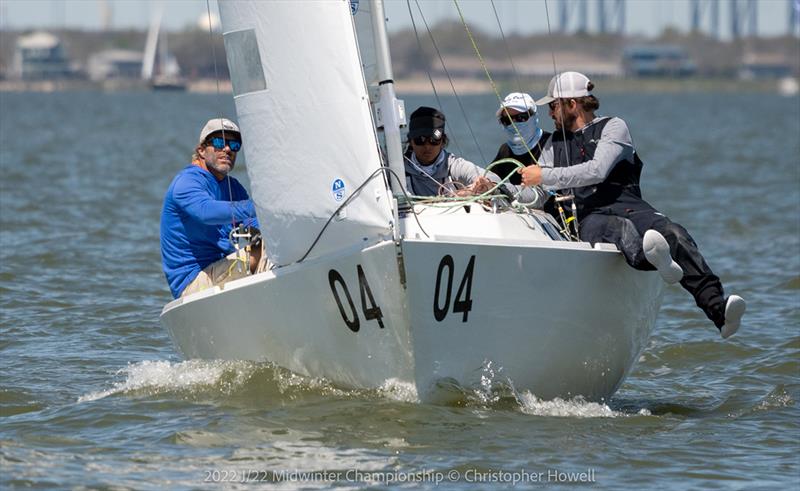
(218, 124)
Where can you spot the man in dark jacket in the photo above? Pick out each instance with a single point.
(593, 159)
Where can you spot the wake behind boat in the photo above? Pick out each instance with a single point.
(372, 285)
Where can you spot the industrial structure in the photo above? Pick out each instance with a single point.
(610, 16)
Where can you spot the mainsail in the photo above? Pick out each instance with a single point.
(306, 121)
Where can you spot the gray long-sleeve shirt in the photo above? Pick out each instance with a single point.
(614, 146)
(428, 180)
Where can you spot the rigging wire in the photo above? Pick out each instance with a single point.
(555, 75)
(422, 53)
(499, 98)
(563, 129)
(508, 51)
(450, 79)
(491, 80)
(216, 77)
(433, 201)
(427, 70)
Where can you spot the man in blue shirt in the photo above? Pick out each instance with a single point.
(202, 205)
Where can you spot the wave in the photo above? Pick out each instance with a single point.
(246, 378)
(234, 377)
(164, 376)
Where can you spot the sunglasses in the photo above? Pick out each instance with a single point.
(427, 140)
(517, 118)
(219, 143)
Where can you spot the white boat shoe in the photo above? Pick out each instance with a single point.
(734, 309)
(656, 250)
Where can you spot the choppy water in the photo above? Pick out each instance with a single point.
(93, 394)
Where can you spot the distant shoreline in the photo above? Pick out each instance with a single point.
(422, 86)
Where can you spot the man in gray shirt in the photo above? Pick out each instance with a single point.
(593, 159)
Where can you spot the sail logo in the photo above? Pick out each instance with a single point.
(353, 6)
(338, 190)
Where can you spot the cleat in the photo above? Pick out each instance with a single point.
(656, 250)
(734, 309)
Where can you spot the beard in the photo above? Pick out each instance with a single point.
(219, 163)
(567, 120)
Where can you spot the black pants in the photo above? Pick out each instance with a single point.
(624, 224)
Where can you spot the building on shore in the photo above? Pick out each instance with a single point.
(115, 64)
(40, 56)
(764, 65)
(659, 60)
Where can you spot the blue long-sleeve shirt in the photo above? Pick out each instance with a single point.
(195, 223)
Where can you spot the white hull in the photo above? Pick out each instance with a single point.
(559, 319)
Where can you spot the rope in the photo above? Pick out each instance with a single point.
(457, 201)
(433, 201)
(378, 172)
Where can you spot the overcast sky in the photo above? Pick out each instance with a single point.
(647, 17)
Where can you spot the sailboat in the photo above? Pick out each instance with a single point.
(166, 74)
(372, 287)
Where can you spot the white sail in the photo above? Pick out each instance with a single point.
(304, 112)
(423, 307)
(149, 59)
(362, 16)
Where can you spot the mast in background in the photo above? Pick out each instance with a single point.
(149, 60)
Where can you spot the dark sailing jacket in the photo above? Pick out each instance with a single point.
(579, 147)
(525, 159)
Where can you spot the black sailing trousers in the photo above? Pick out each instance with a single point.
(624, 224)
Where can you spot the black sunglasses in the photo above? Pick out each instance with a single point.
(427, 140)
(517, 118)
(219, 143)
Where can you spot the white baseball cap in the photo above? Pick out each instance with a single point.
(566, 86)
(218, 124)
(517, 100)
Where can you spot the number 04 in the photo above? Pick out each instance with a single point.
(463, 301)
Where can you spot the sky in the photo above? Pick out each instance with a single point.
(646, 17)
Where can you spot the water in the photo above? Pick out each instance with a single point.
(93, 394)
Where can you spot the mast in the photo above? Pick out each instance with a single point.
(390, 110)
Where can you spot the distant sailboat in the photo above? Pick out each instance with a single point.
(373, 286)
(166, 74)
